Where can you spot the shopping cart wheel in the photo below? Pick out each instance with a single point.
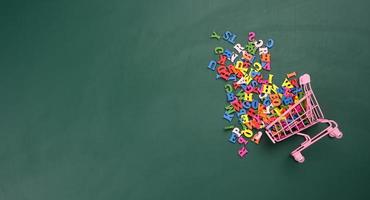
(339, 135)
(336, 133)
(298, 157)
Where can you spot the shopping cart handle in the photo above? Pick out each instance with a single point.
(304, 79)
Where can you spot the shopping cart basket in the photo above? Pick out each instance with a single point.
(302, 115)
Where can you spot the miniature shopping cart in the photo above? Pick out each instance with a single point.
(302, 115)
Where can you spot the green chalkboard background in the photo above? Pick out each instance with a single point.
(113, 100)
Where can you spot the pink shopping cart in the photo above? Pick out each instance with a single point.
(302, 115)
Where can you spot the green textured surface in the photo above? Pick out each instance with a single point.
(113, 100)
